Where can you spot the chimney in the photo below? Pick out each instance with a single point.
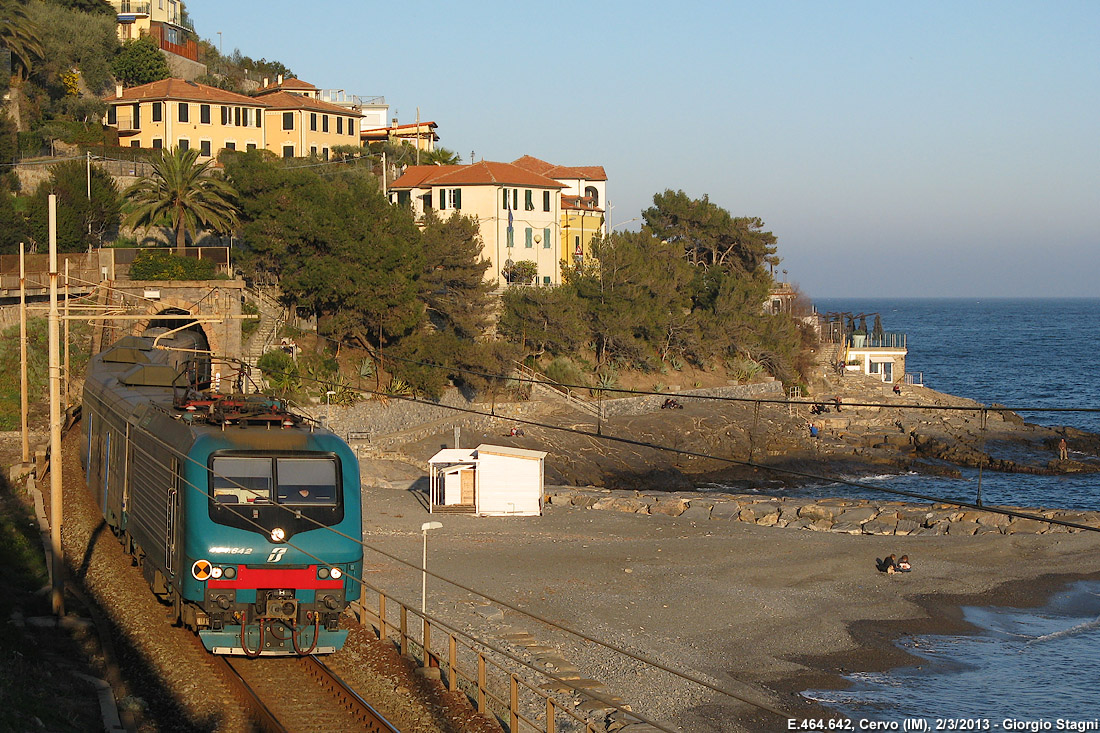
(265, 82)
(280, 79)
(118, 91)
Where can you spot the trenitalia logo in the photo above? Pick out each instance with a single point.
(276, 554)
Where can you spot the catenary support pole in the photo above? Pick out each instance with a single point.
(23, 354)
(57, 595)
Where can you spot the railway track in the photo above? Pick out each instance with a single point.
(297, 694)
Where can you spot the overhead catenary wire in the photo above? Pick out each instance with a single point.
(362, 581)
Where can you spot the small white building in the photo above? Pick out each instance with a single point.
(490, 480)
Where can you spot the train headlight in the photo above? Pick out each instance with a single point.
(215, 573)
(231, 572)
(336, 574)
(322, 573)
(278, 534)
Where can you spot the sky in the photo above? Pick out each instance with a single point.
(895, 149)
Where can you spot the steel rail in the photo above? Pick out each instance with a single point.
(372, 720)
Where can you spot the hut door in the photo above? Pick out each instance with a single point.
(467, 475)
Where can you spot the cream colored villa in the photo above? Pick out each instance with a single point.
(582, 200)
(518, 211)
(176, 113)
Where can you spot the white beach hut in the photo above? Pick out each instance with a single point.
(490, 480)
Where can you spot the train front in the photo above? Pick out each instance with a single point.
(273, 549)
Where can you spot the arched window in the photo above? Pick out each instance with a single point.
(592, 193)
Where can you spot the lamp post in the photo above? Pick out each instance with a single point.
(624, 223)
(328, 407)
(424, 565)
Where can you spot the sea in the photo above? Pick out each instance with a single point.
(1021, 669)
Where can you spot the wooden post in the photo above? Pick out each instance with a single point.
(481, 682)
(382, 632)
(404, 638)
(513, 703)
(452, 663)
(550, 727)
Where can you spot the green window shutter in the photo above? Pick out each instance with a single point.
(546, 201)
(458, 198)
(505, 201)
(546, 239)
(528, 202)
(528, 240)
(511, 237)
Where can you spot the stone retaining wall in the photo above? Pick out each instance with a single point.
(850, 516)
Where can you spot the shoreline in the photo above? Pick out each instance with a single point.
(876, 642)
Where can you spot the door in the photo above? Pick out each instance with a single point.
(467, 475)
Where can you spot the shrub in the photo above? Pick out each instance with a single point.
(160, 264)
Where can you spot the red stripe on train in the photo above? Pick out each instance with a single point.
(304, 578)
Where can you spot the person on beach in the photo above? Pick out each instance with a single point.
(903, 565)
(836, 403)
(813, 430)
(887, 565)
(1063, 450)
(897, 388)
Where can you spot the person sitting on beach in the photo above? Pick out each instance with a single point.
(813, 430)
(887, 565)
(836, 402)
(903, 565)
(897, 389)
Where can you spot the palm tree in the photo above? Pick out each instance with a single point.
(181, 194)
(19, 35)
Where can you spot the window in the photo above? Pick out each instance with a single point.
(246, 116)
(204, 114)
(250, 146)
(527, 239)
(339, 125)
(306, 481)
(237, 116)
(288, 121)
(592, 193)
(288, 151)
(515, 198)
(259, 117)
(230, 145)
(137, 116)
(511, 237)
(112, 115)
(450, 198)
(185, 112)
(242, 480)
(135, 143)
(546, 239)
(225, 115)
(183, 143)
(313, 121)
(324, 153)
(546, 201)
(204, 148)
(545, 279)
(313, 151)
(324, 123)
(157, 143)
(351, 130)
(505, 200)
(528, 201)
(158, 111)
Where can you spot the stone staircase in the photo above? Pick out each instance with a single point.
(272, 316)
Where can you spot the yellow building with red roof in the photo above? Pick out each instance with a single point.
(175, 113)
(518, 211)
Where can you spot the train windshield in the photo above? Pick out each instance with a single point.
(306, 480)
(242, 480)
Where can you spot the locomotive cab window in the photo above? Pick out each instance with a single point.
(306, 480)
(242, 480)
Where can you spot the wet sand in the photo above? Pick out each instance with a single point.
(766, 611)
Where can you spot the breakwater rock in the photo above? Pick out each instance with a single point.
(849, 516)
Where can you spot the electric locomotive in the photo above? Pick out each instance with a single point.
(242, 515)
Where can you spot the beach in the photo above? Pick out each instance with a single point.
(765, 611)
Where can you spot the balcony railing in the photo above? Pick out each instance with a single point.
(879, 341)
(126, 7)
